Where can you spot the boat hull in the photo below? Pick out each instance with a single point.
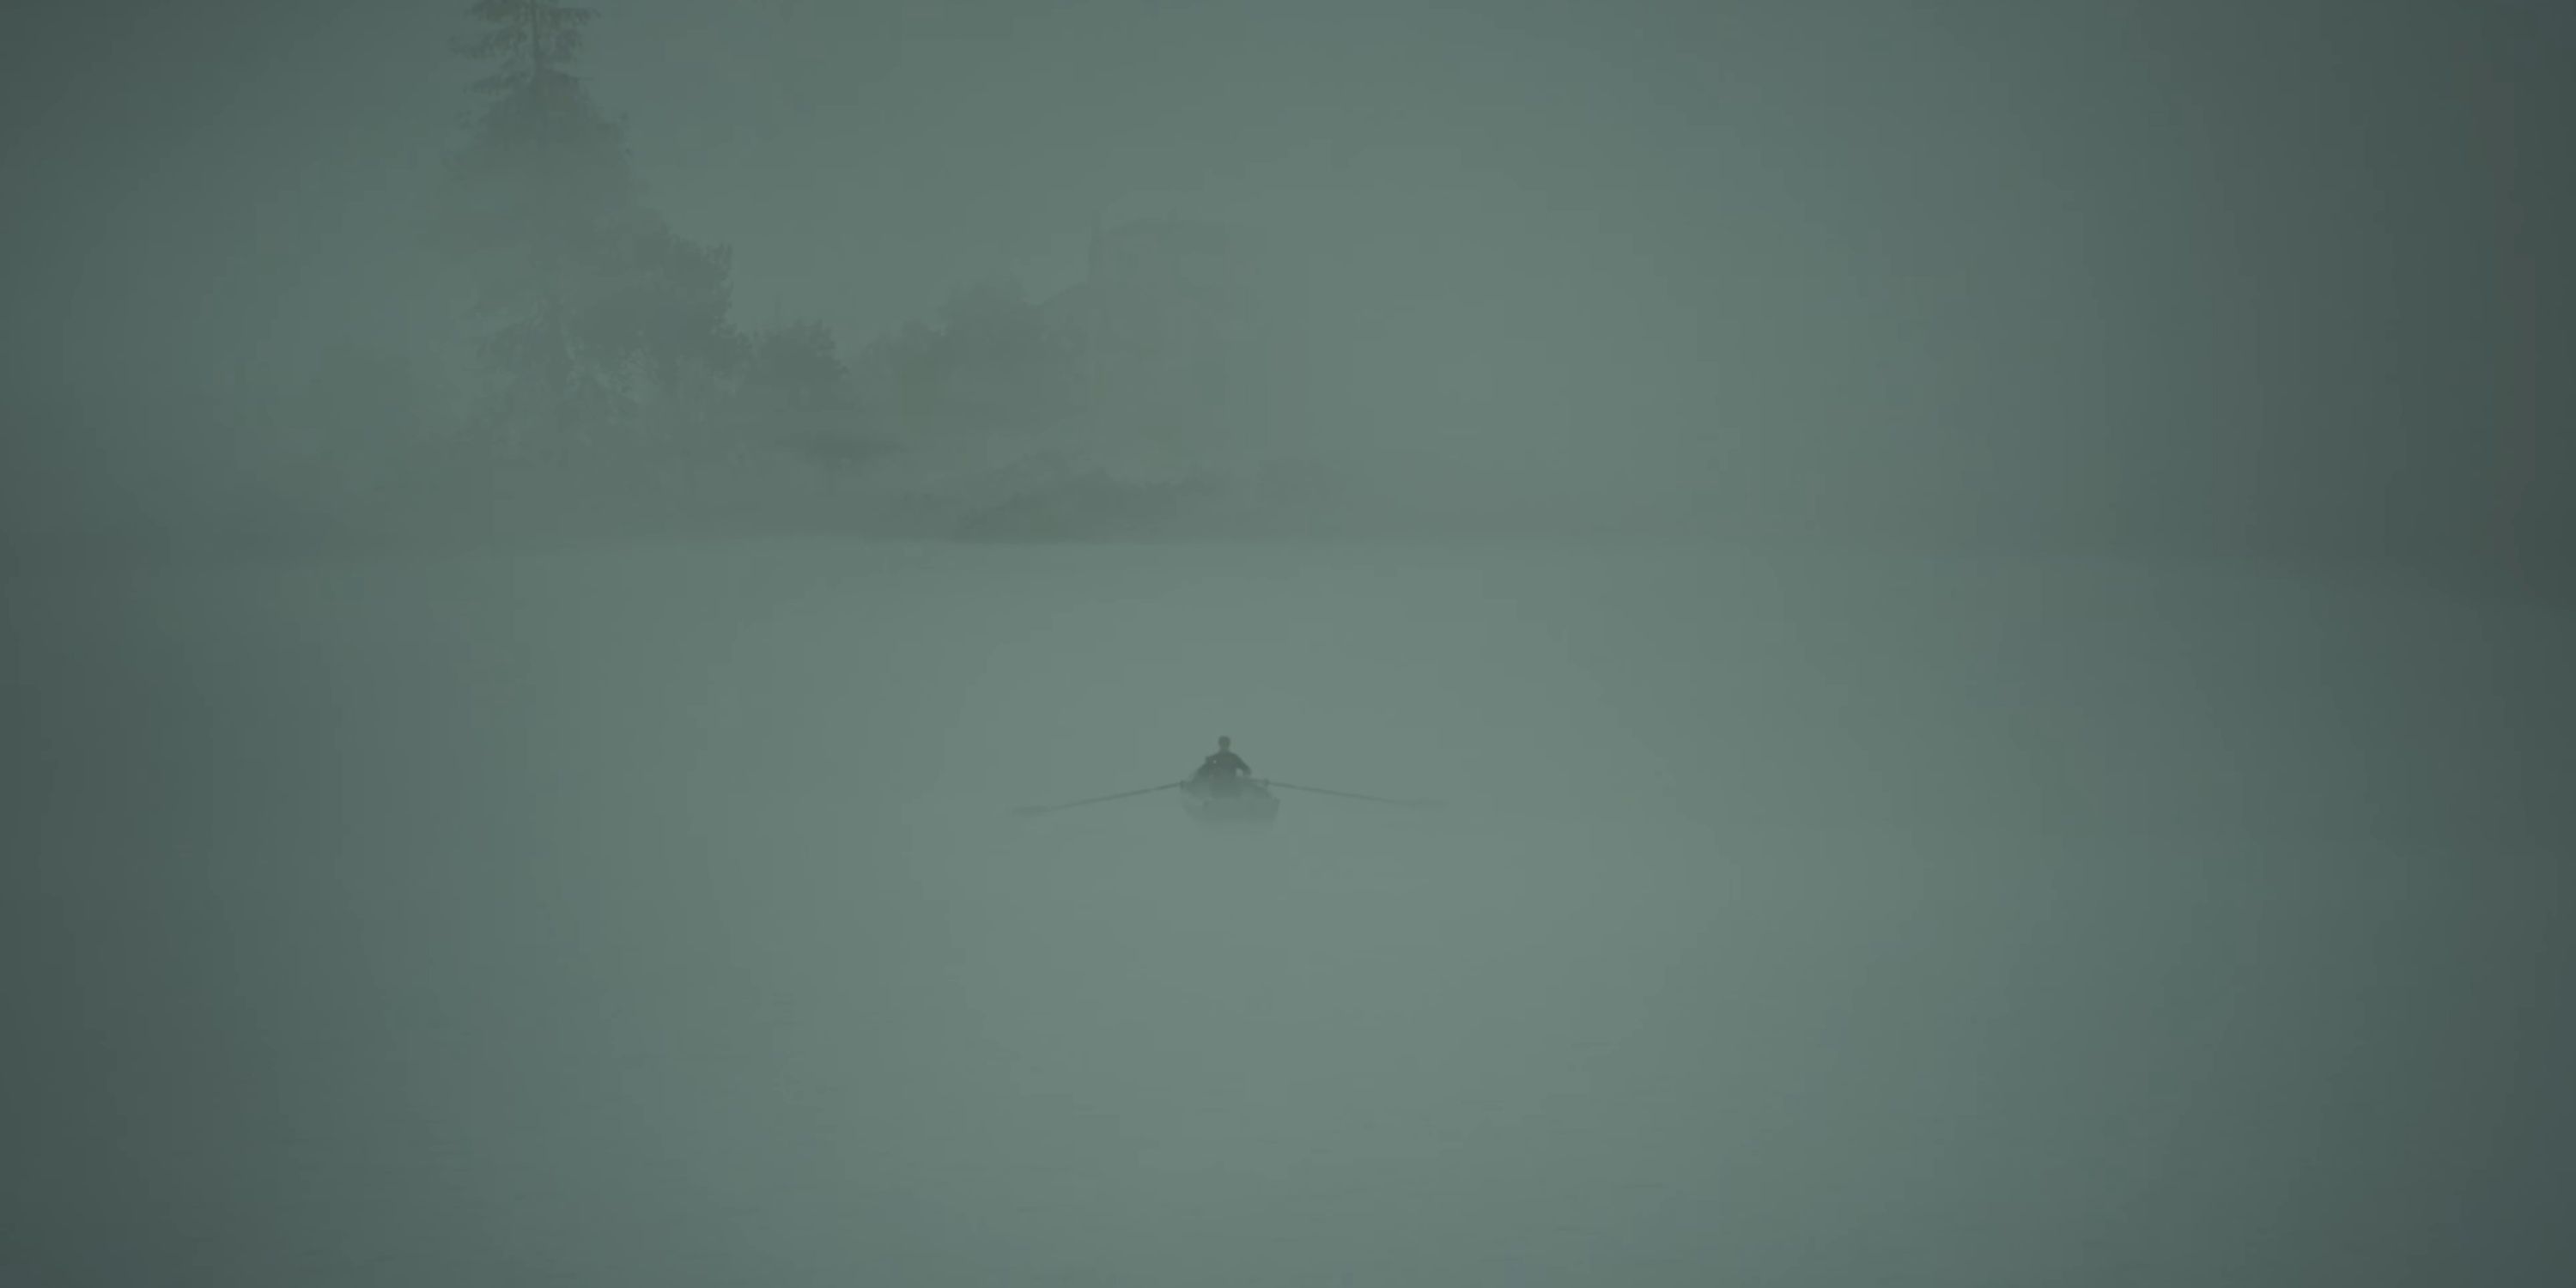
(1248, 805)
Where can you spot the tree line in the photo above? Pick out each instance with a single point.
(593, 332)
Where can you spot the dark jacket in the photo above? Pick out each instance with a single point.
(1222, 764)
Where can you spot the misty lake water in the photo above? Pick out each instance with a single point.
(654, 915)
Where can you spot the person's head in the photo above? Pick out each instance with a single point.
(1225, 744)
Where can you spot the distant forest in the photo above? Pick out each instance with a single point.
(597, 378)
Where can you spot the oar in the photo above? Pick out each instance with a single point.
(1357, 796)
(1026, 811)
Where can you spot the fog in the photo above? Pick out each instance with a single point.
(1969, 601)
(2208, 278)
(656, 916)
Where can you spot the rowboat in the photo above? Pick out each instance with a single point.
(1229, 802)
(1223, 802)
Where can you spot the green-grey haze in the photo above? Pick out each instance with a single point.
(2202, 275)
(1980, 584)
(655, 917)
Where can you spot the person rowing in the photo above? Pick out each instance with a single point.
(1223, 772)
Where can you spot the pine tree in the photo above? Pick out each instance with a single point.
(589, 308)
